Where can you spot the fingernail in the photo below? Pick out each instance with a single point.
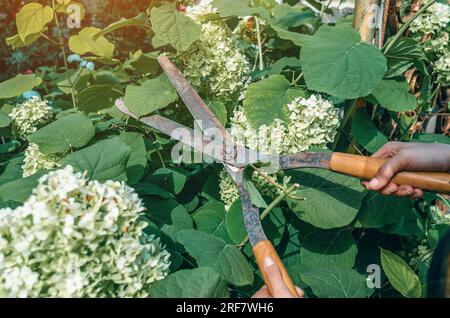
(268, 261)
(374, 183)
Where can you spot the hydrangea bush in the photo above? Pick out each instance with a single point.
(92, 203)
(78, 238)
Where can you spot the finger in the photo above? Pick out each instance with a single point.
(417, 194)
(404, 191)
(299, 292)
(391, 148)
(387, 172)
(390, 189)
(263, 292)
(277, 285)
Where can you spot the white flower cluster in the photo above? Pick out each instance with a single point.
(29, 115)
(78, 238)
(35, 160)
(214, 65)
(442, 69)
(435, 18)
(313, 123)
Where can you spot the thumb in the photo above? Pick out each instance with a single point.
(386, 172)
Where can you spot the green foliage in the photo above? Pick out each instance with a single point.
(17, 85)
(401, 276)
(32, 19)
(395, 95)
(335, 61)
(366, 133)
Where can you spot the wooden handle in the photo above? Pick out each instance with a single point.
(366, 168)
(263, 249)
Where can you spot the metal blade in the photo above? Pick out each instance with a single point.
(199, 110)
(250, 213)
(306, 160)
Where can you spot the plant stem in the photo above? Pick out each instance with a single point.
(63, 51)
(260, 52)
(271, 206)
(50, 39)
(406, 25)
(348, 115)
(297, 79)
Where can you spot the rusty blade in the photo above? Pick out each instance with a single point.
(199, 110)
(250, 213)
(306, 160)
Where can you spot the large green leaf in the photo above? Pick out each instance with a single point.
(18, 85)
(402, 55)
(298, 39)
(366, 133)
(395, 95)
(138, 161)
(210, 218)
(333, 281)
(19, 190)
(139, 20)
(267, 100)
(321, 248)
(211, 251)
(335, 61)
(71, 131)
(105, 160)
(401, 276)
(97, 97)
(16, 42)
(378, 210)
(152, 95)
(144, 63)
(174, 27)
(32, 19)
(331, 200)
(5, 121)
(201, 282)
(84, 42)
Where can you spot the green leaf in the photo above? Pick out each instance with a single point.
(137, 162)
(321, 248)
(139, 20)
(84, 42)
(220, 111)
(331, 200)
(401, 276)
(402, 55)
(32, 19)
(105, 160)
(432, 138)
(97, 97)
(81, 79)
(13, 170)
(283, 63)
(211, 251)
(298, 39)
(335, 61)
(171, 179)
(333, 281)
(71, 131)
(235, 222)
(210, 218)
(152, 95)
(16, 42)
(241, 8)
(366, 133)
(267, 100)
(19, 190)
(18, 85)
(378, 210)
(395, 95)
(174, 27)
(144, 63)
(287, 16)
(5, 121)
(201, 282)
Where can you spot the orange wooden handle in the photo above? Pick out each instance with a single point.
(263, 249)
(366, 168)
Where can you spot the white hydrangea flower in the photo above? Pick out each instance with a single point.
(35, 161)
(313, 124)
(214, 65)
(78, 238)
(438, 44)
(442, 69)
(29, 115)
(435, 18)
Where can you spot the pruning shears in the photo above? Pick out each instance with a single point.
(216, 142)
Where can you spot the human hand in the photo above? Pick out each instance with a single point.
(406, 156)
(279, 289)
